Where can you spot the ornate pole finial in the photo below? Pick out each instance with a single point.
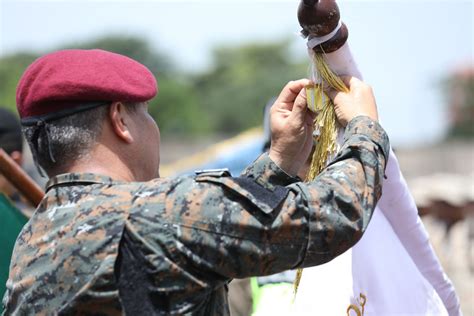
(319, 18)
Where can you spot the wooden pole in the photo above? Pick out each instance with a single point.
(20, 179)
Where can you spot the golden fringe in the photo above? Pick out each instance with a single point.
(325, 124)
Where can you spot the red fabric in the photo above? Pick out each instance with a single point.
(68, 78)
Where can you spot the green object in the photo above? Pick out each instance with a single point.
(272, 298)
(12, 222)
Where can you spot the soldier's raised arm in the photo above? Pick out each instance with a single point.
(266, 220)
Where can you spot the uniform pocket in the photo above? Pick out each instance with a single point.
(263, 198)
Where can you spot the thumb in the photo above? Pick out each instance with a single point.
(300, 106)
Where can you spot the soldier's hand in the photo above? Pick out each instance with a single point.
(358, 101)
(291, 125)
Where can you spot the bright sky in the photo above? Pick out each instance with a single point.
(403, 48)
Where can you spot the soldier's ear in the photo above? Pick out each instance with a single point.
(120, 121)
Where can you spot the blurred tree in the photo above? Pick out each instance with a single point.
(242, 80)
(11, 69)
(460, 98)
(176, 110)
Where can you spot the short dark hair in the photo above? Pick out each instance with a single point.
(10, 132)
(68, 138)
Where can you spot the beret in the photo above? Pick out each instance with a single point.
(67, 79)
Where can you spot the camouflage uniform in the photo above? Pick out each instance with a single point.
(170, 246)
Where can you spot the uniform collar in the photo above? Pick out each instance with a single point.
(67, 179)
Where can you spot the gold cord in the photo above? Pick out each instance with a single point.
(325, 123)
(359, 311)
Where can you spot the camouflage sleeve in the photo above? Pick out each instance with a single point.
(266, 173)
(342, 198)
(266, 221)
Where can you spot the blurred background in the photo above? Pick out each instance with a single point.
(219, 62)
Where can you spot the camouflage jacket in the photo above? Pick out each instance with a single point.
(170, 246)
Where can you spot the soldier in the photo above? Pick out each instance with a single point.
(111, 237)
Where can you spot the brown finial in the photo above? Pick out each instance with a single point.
(319, 18)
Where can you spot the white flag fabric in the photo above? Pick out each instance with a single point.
(393, 269)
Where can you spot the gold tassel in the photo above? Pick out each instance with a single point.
(325, 124)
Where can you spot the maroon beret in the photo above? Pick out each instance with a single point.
(67, 79)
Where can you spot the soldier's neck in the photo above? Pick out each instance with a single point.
(104, 161)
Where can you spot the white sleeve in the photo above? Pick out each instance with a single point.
(400, 209)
